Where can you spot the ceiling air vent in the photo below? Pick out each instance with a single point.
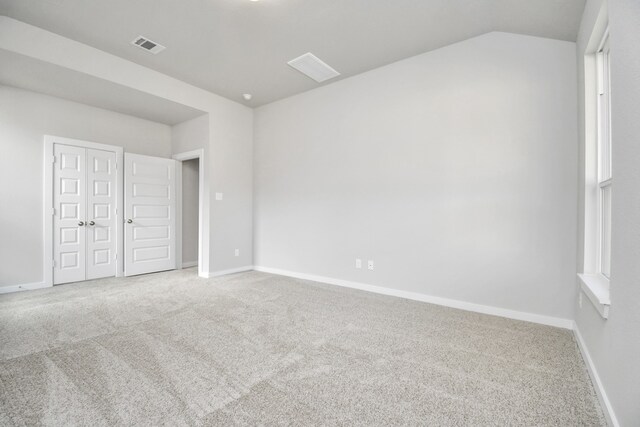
(309, 65)
(148, 45)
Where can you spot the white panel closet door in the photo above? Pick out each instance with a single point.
(69, 201)
(101, 214)
(150, 211)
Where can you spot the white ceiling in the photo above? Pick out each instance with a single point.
(38, 76)
(231, 47)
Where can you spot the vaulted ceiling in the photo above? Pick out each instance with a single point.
(231, 47)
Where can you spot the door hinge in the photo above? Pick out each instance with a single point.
(54, 263)
(115, 256)
(53, 211)
(53, 159)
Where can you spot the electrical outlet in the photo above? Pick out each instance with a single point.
(370, 264)
(237, 252)
(358, 263)
(219, 196)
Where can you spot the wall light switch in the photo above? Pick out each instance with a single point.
(370, 264)
(237, 252)
(358, 263)
(219, 196)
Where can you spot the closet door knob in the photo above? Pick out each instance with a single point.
(81, 223)
(92, 223)
(129, 221)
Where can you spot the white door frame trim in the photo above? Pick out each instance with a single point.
(49, 141)
(203, 211)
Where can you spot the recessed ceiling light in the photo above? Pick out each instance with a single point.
(311, 66)
(247, 96)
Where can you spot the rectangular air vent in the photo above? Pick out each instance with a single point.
(148, 45)
(309, 65)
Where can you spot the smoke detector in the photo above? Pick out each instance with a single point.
(311, 66)
(148, 45)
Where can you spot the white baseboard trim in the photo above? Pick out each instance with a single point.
(462, 305)
(188, 264)
(605, 404)
(25, 287)
(230, 271)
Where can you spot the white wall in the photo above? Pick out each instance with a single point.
(25, 117)
(190, 135)
(614, 344)
(226, 135)
(190, 172)
(231, 167)
(453, 170)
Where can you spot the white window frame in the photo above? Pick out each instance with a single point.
(598, 173)
(605, 179)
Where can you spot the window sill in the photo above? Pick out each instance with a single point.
(596, 287)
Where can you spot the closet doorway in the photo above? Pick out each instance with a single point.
(192, 227)
(190, 173)
(106, 213)
(83, 202)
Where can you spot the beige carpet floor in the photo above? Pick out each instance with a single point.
(260, 349)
